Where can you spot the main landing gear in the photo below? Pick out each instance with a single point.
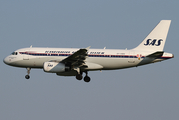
(80, 77)
(87, 78)
(28, 72)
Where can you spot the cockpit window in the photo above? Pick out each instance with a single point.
(14, 53)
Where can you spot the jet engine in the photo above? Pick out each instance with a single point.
(55, 67)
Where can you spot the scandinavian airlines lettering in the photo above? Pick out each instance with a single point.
(153, 42)
(93, 53)
(49, 65)
(96, 53)
(57, 51)
(72, 52)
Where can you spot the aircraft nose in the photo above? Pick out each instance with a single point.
(6, 60)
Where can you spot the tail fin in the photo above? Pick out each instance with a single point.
(155, 41)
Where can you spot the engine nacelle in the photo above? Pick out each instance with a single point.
(55, 67)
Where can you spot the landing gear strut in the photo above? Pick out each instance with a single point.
(79, 75)
(28, 72)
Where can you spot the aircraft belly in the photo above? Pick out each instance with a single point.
(113, 63)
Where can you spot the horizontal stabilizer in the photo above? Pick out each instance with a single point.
(156, 54)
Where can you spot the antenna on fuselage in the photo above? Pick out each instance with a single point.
(104, 48)
(31, 46)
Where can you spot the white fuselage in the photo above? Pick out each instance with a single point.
(106, 58)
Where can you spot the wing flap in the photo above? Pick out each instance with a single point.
(77, 58)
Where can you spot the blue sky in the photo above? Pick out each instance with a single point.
(146, 92)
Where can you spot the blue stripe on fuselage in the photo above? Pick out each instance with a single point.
(110, 56)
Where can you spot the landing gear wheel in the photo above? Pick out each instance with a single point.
(87, 79)
(79, 77)
(27, 76)
(28, 72)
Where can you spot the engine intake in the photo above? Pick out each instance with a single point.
(55, 67)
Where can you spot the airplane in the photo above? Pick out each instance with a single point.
(76, 61)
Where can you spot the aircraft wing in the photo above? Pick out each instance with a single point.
(77, 58)
(156, 54)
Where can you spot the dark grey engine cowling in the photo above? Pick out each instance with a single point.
(55, 67)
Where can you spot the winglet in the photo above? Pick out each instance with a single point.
(88, 48)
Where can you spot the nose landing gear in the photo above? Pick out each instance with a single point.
(28, 72)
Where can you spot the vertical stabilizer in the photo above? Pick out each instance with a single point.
(155, 41)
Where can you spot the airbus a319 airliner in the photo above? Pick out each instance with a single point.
(75, 62)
